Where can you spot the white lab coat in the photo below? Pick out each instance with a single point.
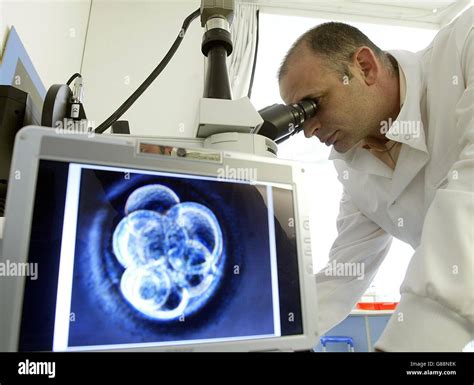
(427, 201)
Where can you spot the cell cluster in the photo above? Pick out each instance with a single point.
(172, 253)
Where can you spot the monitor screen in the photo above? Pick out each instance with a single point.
(131, 258)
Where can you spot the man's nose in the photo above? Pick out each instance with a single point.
(311, 126)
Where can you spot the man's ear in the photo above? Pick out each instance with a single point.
(366, 61)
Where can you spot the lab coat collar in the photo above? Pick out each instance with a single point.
(407, 128)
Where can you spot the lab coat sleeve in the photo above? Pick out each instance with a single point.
(360, 247)
(436, 309)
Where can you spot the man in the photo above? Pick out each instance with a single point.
(402, 129)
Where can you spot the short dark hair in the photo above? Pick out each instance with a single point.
(336, 43)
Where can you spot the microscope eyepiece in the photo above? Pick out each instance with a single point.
(281, 121)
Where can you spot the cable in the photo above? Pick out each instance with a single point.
(139, 91)
(76, 75)
(254, 66)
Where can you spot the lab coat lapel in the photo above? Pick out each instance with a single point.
(408, 128)
(410, 162)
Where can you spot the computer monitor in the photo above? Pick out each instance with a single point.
(21, 101)
(18, 70)
(124, 243)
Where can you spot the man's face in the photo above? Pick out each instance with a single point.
(347, 111)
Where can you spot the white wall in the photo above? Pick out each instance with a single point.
(53, 33)
(126, 41)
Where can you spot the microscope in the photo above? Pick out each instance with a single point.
(224, 123)
(235, 125)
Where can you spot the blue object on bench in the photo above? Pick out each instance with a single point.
(344, 339)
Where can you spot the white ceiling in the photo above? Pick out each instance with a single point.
(418, 13)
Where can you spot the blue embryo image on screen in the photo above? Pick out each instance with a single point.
(171, 252)
(154, 258)
(163, 258)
